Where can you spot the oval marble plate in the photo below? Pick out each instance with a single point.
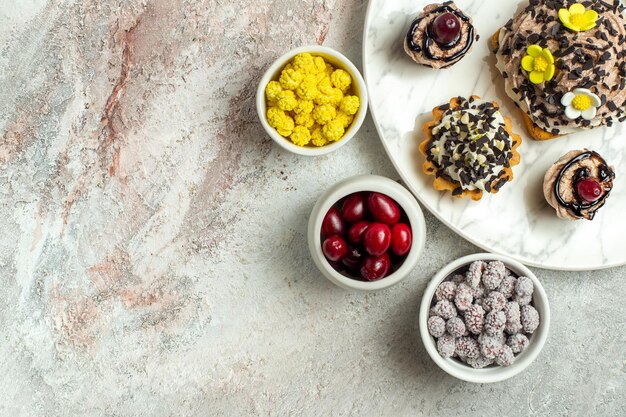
(517, 221)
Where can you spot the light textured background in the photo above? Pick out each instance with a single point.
(153, 253)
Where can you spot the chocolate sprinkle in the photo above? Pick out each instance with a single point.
(594, 59)
(479, 135)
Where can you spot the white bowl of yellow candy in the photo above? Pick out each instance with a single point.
(312, 100)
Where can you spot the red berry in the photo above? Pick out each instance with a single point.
(353, 208)
(375, 267)
(446, 29)
(355, 234)
(383, 209)
(376, 239)
(333, 224)
(401, 239)
(353, 259)
(334, 248)
(589, 190)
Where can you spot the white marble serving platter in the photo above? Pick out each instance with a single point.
(517, 221)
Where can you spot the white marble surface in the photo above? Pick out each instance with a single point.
(153, 255)
(517, 221)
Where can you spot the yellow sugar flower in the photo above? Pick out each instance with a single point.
(539, 63)
(577, 18)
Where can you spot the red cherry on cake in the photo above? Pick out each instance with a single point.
(446, 28)
(589, 190)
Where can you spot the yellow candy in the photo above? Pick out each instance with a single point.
(345, 119)
(308, 88)
(324, 114)
(280, 121)
(287, 100)
(317, 137)
(309, 103)
(303, 106)
(341, 80)
(286, 127)
(272, 90)
(301, 136)
(333, 130)
(318, 65)
(303, 62)
(350, 104)
(304, 119)
(325, 86)
(275, 116)
(290, 78)
(335, 97)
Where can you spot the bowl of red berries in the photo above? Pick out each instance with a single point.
(366, 233)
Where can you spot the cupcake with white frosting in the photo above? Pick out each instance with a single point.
(470, 148)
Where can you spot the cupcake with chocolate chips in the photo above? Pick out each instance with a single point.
(440, 36)
(563, 64)
(578, 184)
(469, 148)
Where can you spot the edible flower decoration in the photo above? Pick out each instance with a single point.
(581, 102)
(539, 63)
(577, 18)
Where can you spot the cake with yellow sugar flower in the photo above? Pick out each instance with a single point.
(312, 103)
(563, 65)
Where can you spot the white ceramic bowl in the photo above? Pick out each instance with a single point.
(495, 373)
(338, 61)
(367, 183)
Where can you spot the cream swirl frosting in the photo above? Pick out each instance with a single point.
(471, 145)
(591, 59)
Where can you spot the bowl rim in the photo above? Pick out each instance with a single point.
(278, 64)
(496, 373)
(371, 183)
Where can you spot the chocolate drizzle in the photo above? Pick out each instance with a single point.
(428, 40)
(605, 175)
